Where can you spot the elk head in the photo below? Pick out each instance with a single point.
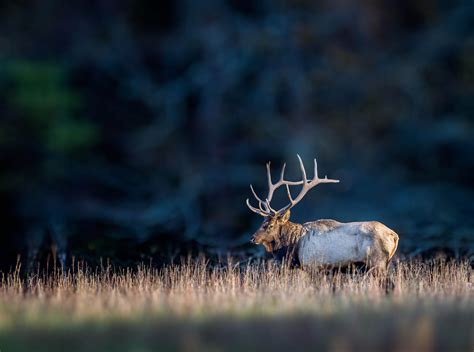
(269, 233)
(276, 226)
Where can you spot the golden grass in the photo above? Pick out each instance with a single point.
(196, 289)
(195, 292)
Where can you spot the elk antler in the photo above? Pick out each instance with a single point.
(264, 207)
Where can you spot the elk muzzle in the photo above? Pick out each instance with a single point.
(255, 239)
(262, 238)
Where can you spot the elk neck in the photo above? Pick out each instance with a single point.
(290, 233)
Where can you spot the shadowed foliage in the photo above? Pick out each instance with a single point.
(131, 130)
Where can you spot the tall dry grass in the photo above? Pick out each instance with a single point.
(426, 295)
(194, 289)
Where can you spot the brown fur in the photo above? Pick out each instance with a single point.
(278, 232)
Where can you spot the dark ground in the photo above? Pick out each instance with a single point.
(412, 330)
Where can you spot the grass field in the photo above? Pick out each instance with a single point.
(257, 306)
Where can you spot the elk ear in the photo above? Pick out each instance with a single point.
(285, 217)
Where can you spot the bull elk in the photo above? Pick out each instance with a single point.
(322, 242)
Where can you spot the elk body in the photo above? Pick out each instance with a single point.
(325, 242)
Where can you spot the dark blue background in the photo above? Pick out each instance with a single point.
(131, 130)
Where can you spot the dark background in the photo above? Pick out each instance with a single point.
(131, 130)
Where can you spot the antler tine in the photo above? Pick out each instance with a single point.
(307, 185)
(316, 169)
(321, 180)
(260, 202)
(255, 210)
(264, 207)
(282, 175)
(267, 203)
(272, 186)
(303, 171)
(255, 194)
(289, 193)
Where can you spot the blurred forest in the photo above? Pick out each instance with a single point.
(131, 130)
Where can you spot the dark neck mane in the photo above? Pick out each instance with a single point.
(290, 233)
